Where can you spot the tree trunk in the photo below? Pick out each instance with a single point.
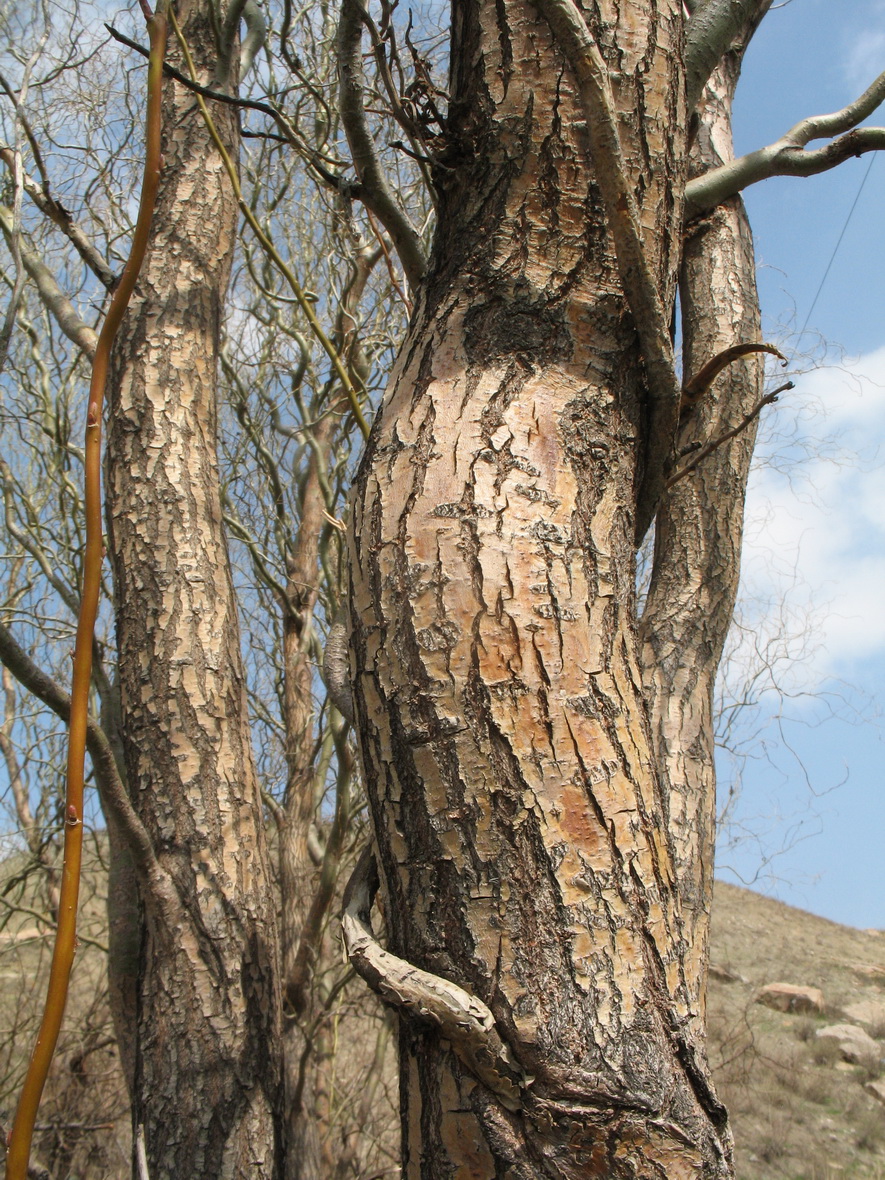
(699, 528)
(207, 1070)
(304, 894)
(520, 826)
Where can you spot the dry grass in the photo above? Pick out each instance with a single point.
(799, 1112)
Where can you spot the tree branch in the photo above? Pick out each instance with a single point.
(716, 443)
(112, 790)
(709, 32)
(55, 300)
(694, 390)
(60, 216)
(640, 288)
(376, 194)
(256, 35)
(462, 1019)
(787, 157)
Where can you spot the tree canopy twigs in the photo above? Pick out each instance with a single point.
(54, 298)
(59, 215)
(65, 941)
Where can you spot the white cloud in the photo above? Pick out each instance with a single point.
(816, 519)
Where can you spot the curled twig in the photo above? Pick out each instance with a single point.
(694, 390)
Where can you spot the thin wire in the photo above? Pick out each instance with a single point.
(836, 249)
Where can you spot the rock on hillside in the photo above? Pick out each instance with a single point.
(799, 1109)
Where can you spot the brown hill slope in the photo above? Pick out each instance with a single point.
(799, 1109)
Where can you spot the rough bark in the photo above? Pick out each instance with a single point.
(699, 528)
(521, 833)
(207, 1070)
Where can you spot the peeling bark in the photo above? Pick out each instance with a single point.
(521, 833)
(207, 1068)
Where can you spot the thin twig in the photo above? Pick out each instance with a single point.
(58, 215)
(716, 443)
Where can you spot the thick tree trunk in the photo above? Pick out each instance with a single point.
(520, 828)
(207, 1069)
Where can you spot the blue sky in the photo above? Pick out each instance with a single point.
(816, 509)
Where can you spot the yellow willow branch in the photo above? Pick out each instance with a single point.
(271, 250)
(65, 940)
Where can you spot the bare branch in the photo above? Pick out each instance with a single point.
(819, 126)
(787, 156)
(376, 193)
(716, 443)
(640, 288)
(310, 939)
(464, 1020)
(60, 216)
(112, 790)
(55, 300)
(256, 35)
(695, 389)
(710, 30)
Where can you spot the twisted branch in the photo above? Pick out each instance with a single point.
(375, 192)
(463, 1020)
(787, 156)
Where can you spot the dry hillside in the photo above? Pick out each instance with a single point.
(800, 1111)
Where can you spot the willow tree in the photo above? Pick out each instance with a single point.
(537, 748)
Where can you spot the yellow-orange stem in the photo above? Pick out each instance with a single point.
(19, 1147)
